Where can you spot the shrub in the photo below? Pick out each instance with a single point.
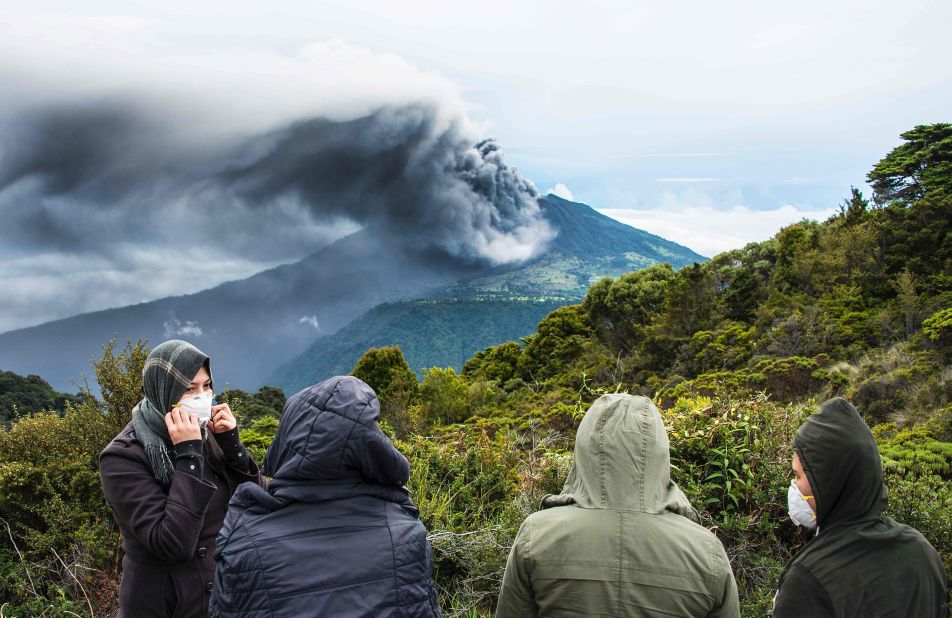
(795, 377)
(938, 330)
(901, 383)
(729, 347)
(444, 396)
(386, 371)
(62, 538)
(258, 435)
(64, 546)
(913, 453)
(925, 503)
(732, 456)
(473, 492)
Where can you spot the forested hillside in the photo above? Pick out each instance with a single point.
(255, 325)
(736, 351)
(449, 324)
(28, 394)
(430, 332)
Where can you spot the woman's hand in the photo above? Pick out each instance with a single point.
(222, 419)
(182, 426)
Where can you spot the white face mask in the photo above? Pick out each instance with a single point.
(799, 508)
(199, 405)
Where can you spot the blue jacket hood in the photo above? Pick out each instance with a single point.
(329, 432)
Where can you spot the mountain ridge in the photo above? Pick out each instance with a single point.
(485, 309)
(252, 326)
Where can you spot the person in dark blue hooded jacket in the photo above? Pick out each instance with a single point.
(335, 533)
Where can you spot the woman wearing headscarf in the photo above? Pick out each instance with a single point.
(168, 477)
(335, 534)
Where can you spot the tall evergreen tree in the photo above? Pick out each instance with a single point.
(919, 167)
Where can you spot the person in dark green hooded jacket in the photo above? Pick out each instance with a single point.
(621, 539)
(860, 563)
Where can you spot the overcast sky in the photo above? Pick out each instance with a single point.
(709, 123)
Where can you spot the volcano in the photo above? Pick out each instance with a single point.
(253, 326)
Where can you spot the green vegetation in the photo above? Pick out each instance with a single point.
(61, 555)
(18, 393)
(736, 351)
(921, 166)
(431, 332)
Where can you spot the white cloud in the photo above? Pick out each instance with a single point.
(310, 320)
(708, 230)
(174, 328)
(61, 57)
(51, 286)
(560, 190)
(686, 180)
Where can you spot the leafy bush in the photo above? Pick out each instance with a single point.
(902, 383)
(64, 547)
(445, 396)
(917, 468)
(387, 372)
(726, 348)
(497, 363)
(938, 330)
(258, 435)
(562, 337)
(914, 452)
(63, 551)
(267, 402)
(796, 377)
(473, 492)
(925, 503)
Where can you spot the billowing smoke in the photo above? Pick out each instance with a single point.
(411, 174)
(111, 195)
(422, 184)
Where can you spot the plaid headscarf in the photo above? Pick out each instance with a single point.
(167, 374)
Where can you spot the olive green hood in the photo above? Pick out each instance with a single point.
(622, 461)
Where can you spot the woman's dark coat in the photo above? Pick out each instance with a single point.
(335, 534)
(169, 533)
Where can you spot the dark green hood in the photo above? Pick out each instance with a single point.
(622, 461)
(841, 461)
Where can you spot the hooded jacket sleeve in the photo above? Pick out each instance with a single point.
(516, 599)
(168, 526)
(801, 594)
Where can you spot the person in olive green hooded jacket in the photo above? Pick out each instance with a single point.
(860, 563)
(621, 538)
